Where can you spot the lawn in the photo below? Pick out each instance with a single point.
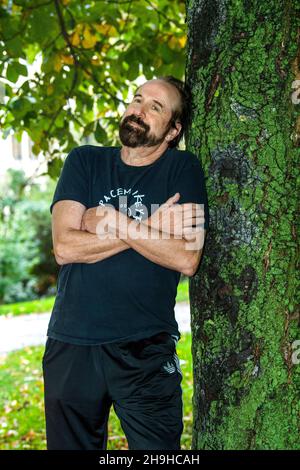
(46, 304)
(22, 424)
(24, 308)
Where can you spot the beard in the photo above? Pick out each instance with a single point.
(139, 136)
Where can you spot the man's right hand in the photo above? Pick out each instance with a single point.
(177, 219)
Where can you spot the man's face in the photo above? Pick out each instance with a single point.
(146, 121)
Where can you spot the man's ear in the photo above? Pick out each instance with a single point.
(174, 132)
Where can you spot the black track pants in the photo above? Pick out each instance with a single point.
(142, 379)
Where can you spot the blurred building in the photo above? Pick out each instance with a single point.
(19, 156)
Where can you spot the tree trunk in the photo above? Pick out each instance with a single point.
(243, 68)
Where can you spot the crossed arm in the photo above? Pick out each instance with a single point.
(77, 242)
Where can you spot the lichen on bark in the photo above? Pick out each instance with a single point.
(242, 58)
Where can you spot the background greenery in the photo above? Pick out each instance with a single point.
(28, 269)
(89, 54)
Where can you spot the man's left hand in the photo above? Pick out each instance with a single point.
(93, 216)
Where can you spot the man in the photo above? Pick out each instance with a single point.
(125, 225)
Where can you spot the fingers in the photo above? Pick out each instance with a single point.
(195, 241)
(188, 228)
(82, 227)
(100, 210)
(193, 208)
(189, 209)
(188, 216)
(173, 199)
(192, 214)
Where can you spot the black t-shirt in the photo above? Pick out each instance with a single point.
(126, 296)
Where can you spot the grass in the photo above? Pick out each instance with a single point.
(183, 291)
(22, 424)
(23, 308)
(45, 305)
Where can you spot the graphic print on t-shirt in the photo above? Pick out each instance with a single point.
(137, 210)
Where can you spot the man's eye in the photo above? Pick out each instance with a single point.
(156, 108)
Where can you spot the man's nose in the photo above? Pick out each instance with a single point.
(140, 110)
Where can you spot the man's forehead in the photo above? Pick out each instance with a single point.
(160, 90)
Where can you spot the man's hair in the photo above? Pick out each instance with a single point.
(182, 114)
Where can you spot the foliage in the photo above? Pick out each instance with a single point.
(27, 267)
(89, 53)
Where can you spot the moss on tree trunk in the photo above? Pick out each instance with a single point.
(243, 66)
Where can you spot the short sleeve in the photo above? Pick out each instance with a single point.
(73, 180)
(190, 183)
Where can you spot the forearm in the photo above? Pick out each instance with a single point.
(169, 251)
(164, 230)
(79, 246)
(145, 238)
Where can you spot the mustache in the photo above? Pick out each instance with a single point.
(136, 120)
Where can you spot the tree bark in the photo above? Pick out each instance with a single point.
(243, 68)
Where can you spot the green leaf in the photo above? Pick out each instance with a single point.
(20, 106)
(43, 24)
(11, 73)
(36, 33)
(14, 47)
(100, 134)
(89, 128)
(14, 70)
(166, 53)
(54, 168)
(22, 69)
(31, 52)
